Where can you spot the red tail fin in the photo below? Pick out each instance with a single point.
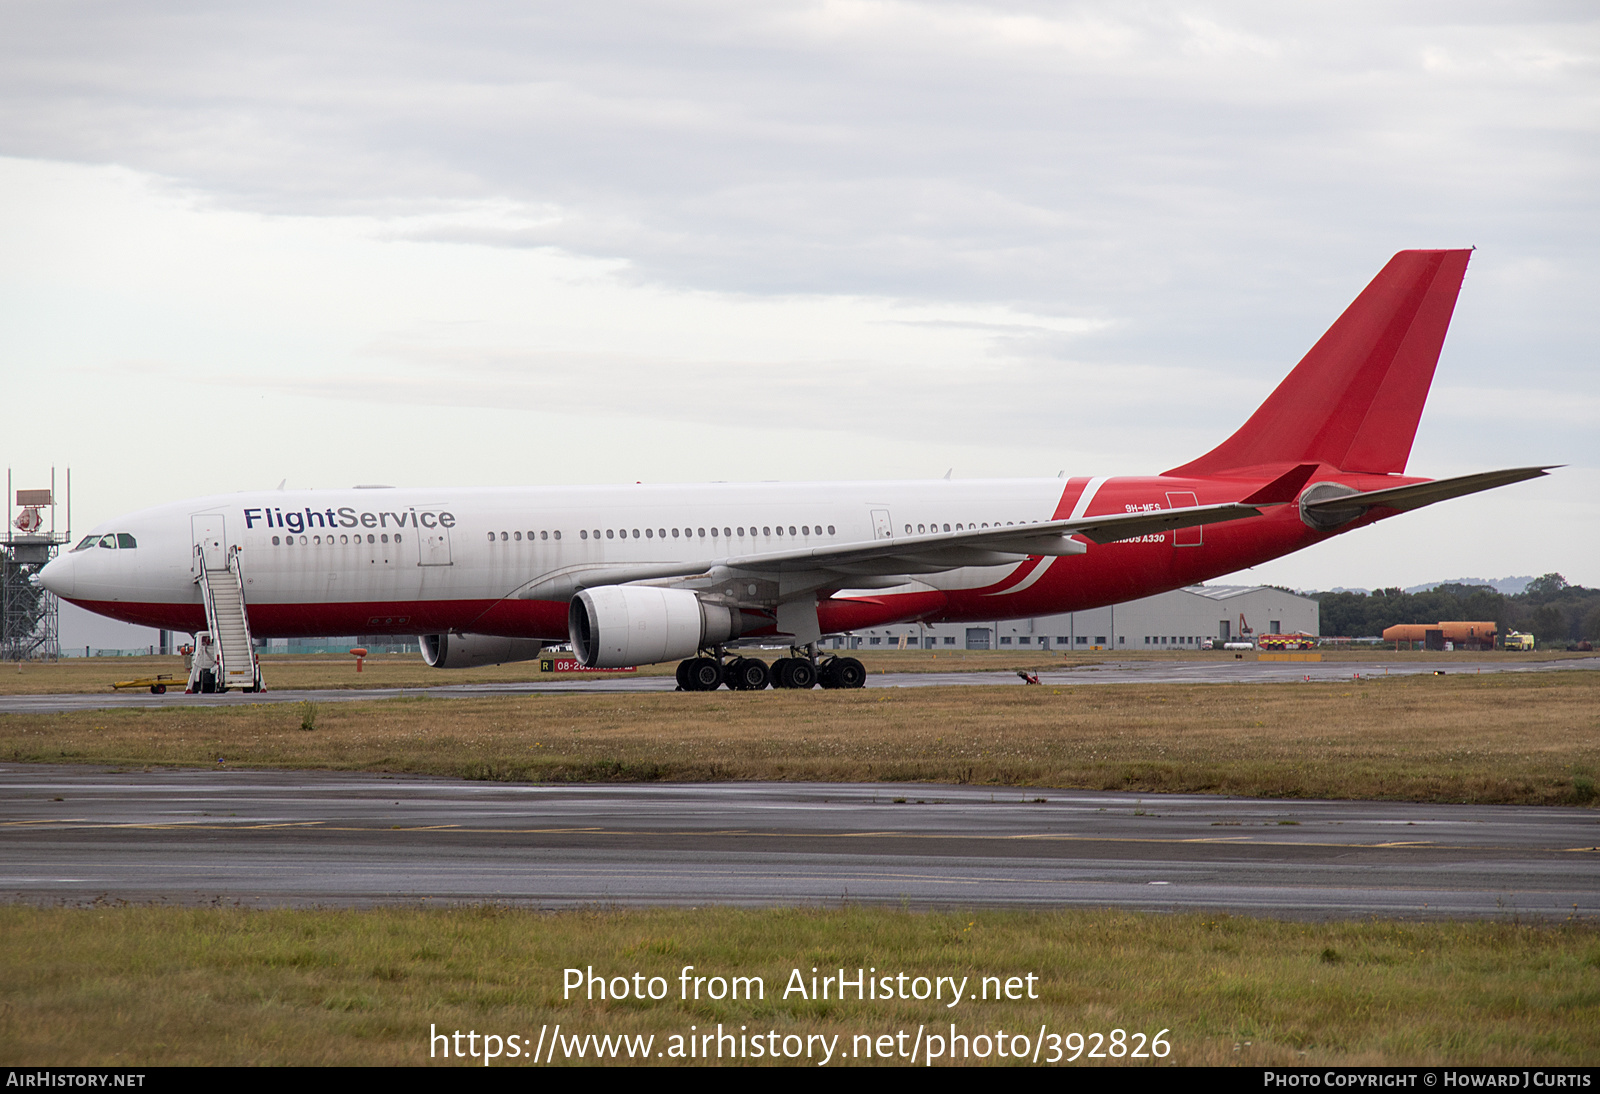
(1354, 401)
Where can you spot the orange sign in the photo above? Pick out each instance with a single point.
(571, 664)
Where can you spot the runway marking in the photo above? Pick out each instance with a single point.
(701, 833)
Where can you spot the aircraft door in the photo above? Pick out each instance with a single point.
(211, 536)
(1184, 537)
(433, 547)
(882, 526)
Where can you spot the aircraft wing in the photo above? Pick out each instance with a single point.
(929, 553)
(1419, 494)
(935, 551)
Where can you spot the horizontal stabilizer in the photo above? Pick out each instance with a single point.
(1423, 493)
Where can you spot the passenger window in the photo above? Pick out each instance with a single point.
(702, 533)
(583, 533)
(610, 534)
(124, 540)
(275, 541)
(517, 536)
(491, 537)
(544, 535)
(791, 529)
(830, 530)
(713, 533)
(662, 532)
(766, 531)
(558, 533)
(649, 533)
(636, 533)
(674, 533)
(385, 537)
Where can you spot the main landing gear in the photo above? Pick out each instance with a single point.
(753, 674)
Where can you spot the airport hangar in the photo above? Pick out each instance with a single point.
(1180, 619)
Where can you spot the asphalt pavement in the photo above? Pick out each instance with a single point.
(1111, 672)
(76, 835)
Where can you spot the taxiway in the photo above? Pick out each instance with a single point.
(263, 838)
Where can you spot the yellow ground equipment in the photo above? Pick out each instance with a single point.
(157, 684)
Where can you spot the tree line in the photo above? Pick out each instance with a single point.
(1549, 609)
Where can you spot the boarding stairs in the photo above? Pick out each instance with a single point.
(223, 590)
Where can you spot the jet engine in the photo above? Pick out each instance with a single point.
(470, 651)
(614, 626)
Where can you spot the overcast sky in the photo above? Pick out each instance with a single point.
(480, 243)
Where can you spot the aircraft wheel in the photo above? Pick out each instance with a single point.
(158, 689)
(704, 675)
(802, 674)
(747, 674)
(683, 674)
(780, 672)
(849, 672)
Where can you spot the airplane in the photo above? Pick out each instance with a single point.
(645, 573)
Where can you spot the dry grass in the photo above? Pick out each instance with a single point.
(151, 986)
(1498, 738)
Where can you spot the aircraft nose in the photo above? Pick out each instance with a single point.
(57, 576)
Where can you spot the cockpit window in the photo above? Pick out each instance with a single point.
(108, 541)
(124, 540)
(86, 542)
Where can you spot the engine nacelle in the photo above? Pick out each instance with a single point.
(470, 651)
(614, 626)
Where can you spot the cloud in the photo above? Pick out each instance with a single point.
(1016, 226)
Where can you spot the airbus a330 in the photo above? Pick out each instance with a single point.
(640, 574)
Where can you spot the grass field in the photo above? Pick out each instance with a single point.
(1525, 738)
(137, 986)
(291, 673)
(143, 986)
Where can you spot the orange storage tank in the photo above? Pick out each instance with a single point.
(1475, 634)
